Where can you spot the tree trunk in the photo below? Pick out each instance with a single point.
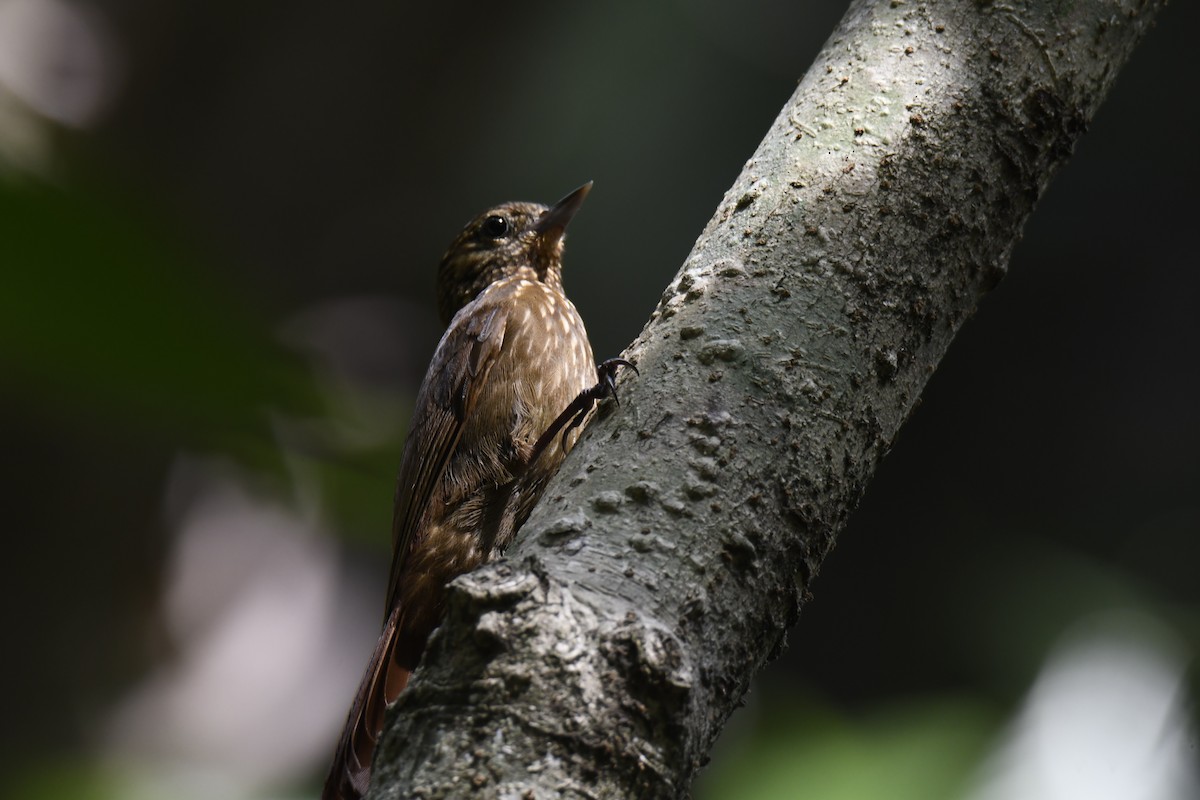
(674, 549)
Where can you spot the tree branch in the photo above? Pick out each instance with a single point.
(673, 551)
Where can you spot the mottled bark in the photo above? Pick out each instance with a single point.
(673, 551)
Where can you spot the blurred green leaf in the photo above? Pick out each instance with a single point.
(64, 780)
(924, 750)
(106, 323)
(98, 318)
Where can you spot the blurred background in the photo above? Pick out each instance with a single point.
(219, 225)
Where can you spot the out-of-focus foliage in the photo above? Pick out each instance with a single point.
(105, 321)
(67, 780)
(102, 318)
(925, 749)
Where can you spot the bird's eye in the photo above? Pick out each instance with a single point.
(496, 227)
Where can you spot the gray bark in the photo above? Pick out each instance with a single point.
(674, 549)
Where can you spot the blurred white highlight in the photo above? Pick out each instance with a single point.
(1107, 719)
(266, 664)
(59, 58)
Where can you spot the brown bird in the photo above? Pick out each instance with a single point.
(512, 370)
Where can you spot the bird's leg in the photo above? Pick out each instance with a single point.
(575, 413)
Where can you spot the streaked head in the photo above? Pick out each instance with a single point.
(501, 240)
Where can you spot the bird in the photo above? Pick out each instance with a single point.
(513, 372)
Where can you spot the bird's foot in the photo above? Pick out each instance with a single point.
(575, 413)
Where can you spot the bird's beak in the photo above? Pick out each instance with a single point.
(553, 223)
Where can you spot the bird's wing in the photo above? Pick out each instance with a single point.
(460, 367)
(458, 372)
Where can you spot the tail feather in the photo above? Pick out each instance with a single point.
(381, 685)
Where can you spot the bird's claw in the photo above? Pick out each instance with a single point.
(575, 413)
(606, 386)
(606, 373)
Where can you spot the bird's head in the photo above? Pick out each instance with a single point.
(499, 242)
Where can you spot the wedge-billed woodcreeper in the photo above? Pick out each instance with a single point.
(513, 369)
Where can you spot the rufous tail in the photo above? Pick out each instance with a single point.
(381, 685)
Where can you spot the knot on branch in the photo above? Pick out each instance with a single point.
(523, 652)
(652, 665)
(499, 585)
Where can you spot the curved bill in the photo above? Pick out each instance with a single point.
(553, 223)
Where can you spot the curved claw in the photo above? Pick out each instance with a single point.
(606, 372)
(574, 414)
